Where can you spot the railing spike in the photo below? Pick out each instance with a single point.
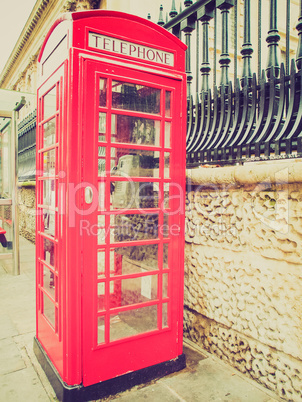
(290, 113)
(299, 49)
(297, 127)
(292, 67)
(161, 16)
(263, 75)
(205, 15)
(187, 26)
(272, 39)
(173, 13)
(245, 109)
(190, 107)
(279, 114)
(253, 116)
(247, 49)
(230, 110)
(224, 60)
(188, 3)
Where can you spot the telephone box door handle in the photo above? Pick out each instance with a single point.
(88, 195)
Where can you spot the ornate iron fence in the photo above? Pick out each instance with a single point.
(27, 148)
(254, 116)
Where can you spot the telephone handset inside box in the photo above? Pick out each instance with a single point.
(130, 193)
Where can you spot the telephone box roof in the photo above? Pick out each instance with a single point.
(129, 26)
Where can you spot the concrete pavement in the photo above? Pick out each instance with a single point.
(204, 379)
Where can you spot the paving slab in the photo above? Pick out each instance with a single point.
(11, 358)
(204, 379)
(150, 392)
(214, 382)
(7, 327)
(22, 386)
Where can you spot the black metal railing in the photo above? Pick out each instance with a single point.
(27, 147)
(236, 117)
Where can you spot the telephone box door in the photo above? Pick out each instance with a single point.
(133, 195)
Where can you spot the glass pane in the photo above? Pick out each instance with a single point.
(49, 133)
(49, 252)
(102, 192)
(49, 192)
(168, 104)
(115, 267)
(135, 130)
(49, 163)
(166, 195)
(165, 255)
(5, 178)
(49, 310)
(101, 220)
(102, 126)
(49, 282)
(139, 98)
(103, 91)
(50, 104)
(167, 165)
(134, 290)
(49, 222)
(167, 134)
(166, 227)
(113, 162)
(165, 285)
(133, 227)
(101, 233)
(101, 296)
(135, 163)
(6, 239)
(131, 194)
(165, 315)
(101, 264)
(101, 161)
(133, 322)
(101, 329)
(135, 259)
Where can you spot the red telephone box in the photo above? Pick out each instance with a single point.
(110, 190)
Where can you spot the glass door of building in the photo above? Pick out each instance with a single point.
(10, 104)
(6, 186)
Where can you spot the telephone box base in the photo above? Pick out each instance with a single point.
(79, 393)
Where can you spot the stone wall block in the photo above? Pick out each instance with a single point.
(229, 293)
(269, 367)
(245, 251)
(266, 381)
(296, 383)
(296, 225)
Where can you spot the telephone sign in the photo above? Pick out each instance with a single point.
(131, 49)
(110, 203)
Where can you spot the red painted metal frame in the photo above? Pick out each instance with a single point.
(72, 345)
(161, 344)
(50, 338)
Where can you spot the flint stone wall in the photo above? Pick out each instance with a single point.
(243, 270)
